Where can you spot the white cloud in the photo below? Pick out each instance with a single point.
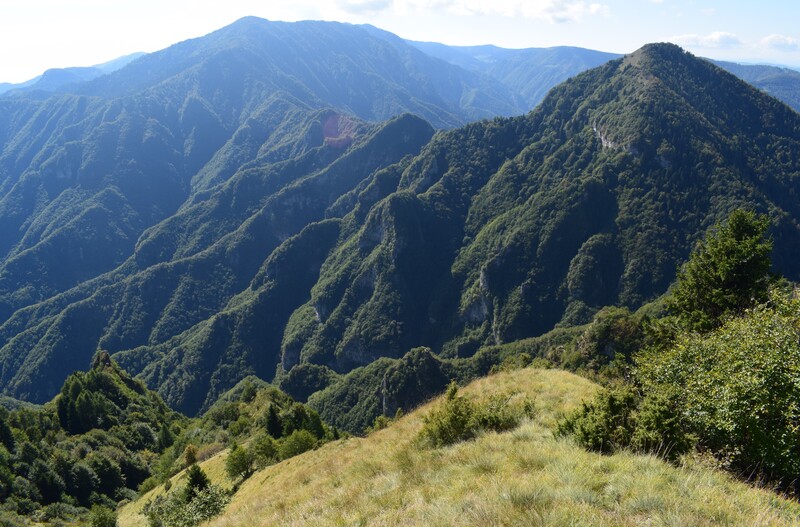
(717, 40)
(781, 43)
(363, 6)
(553, 11)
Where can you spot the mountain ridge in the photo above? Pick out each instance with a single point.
(397, 237)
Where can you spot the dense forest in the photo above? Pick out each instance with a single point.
(106, 437)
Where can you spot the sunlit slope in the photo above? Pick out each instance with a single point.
(523, 477)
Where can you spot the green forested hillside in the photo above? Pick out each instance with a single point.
(86, 173)
(306, 242)
(105, 437)
(591, 200)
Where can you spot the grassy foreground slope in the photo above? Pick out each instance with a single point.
(523, 477)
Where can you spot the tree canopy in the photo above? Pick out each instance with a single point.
(726, 273)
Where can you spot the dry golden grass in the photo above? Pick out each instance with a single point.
(524, 477)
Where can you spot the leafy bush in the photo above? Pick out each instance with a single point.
(459, 419)
(263, 450)
(739, 387)
(102, 517)
(171, 510)
(604, 424)
(451, 423)
(618, 418)
(659, 427)
(298, 442)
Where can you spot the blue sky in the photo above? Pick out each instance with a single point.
(39, 34)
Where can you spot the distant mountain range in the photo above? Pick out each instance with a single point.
(526, 75)
(529, 72)
(781, 83)
(56, 79)
(274, 199)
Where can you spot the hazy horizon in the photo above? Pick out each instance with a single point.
(36, 36)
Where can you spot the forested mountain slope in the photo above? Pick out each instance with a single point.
(202, 227)
(85, 173)
(532, 72)
(503, 229)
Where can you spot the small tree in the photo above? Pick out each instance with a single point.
(249, 392)
(196, 481)
(727, 273)
(165, 438)
(190, 455)
(274, 425)
(451, 422)
(239, 464)
(263, 450)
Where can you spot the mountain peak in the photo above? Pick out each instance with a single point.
(663, 50)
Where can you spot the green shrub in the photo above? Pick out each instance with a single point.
(298, 442)
(739, 387)
(102, 517)
(171, 510)
(263, 450)
(60, 511)
(618, 418)
(659, 428)
(459, 419)
(148, 485)
(497, 415)
(604, 424)
(451, 422)
(380, 423)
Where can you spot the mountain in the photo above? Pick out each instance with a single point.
(233, 205)
(87, 172)
(327, 63)
(95, 443)
(781, 83)
(530, 72)
(57, 79)
(504, 229)
(525, 476)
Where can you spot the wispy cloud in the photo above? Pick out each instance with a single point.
(717, 40)
(364, 6)
(781, 43)
(553, 11)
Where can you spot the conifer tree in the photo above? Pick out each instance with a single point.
(727, 273)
